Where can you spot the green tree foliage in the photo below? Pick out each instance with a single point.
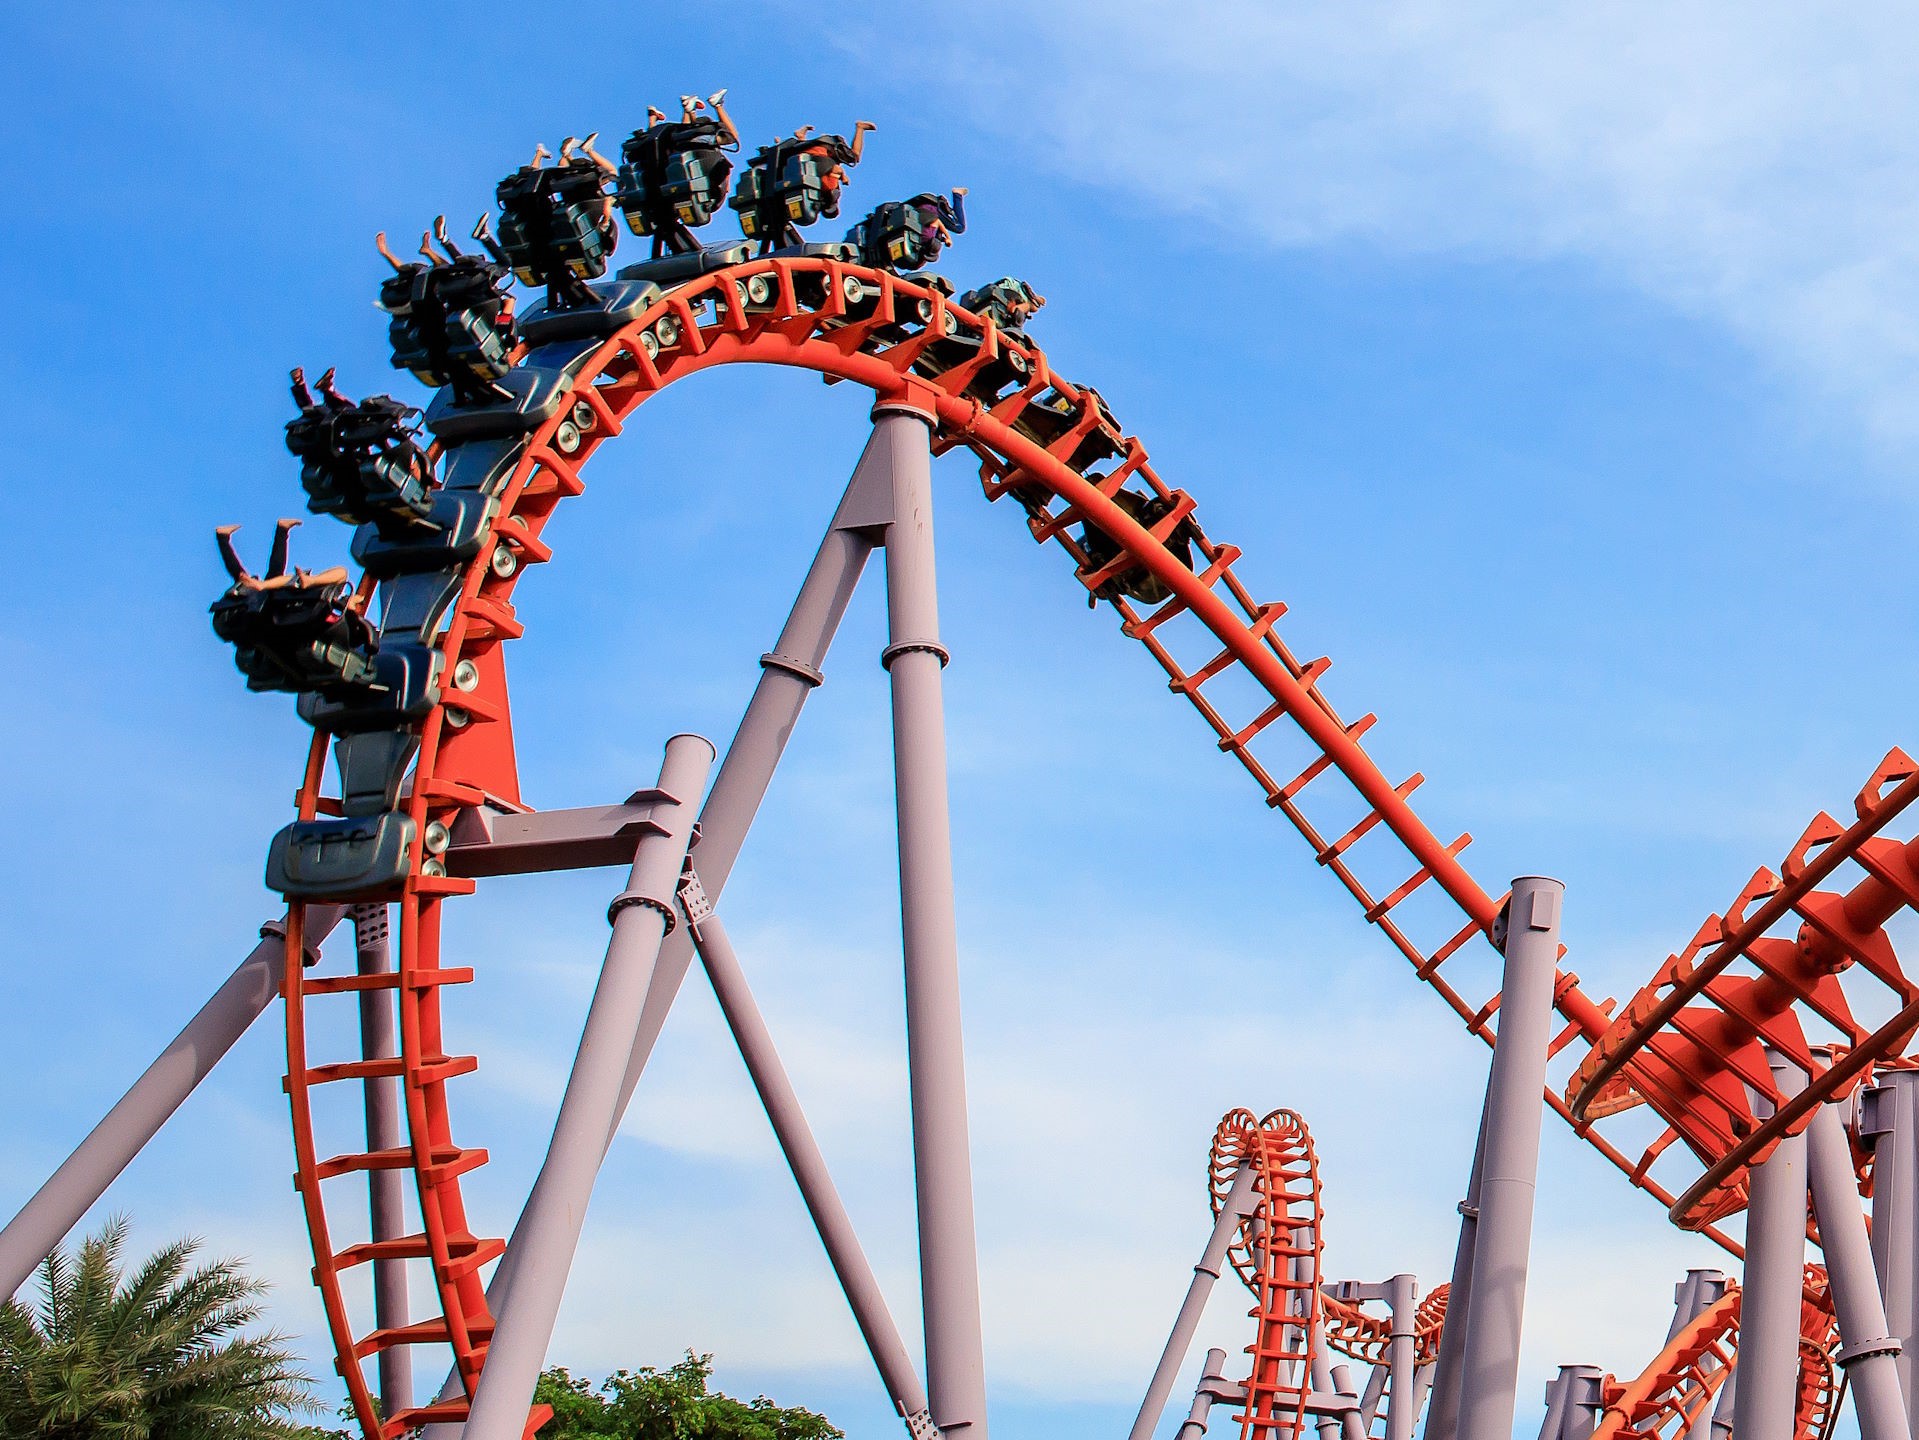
(670, 1404)
(157, 1354)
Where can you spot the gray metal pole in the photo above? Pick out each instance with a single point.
(1212, 1261)
(1442, 1415)
(1727, 1403)
(1402, 1295)
(1889, 1124)
(1337, 1380)
(1775, 1281)
(83, 1177)
(386, 1189)
(803, 1157)
(555, 1211)
(1574, 1399)
(1489, 1380)
(1867, 1353)
(789, 673)
(1211, 1381)
(936, 1065)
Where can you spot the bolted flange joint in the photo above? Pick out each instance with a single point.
(651, 902)
(909, 647)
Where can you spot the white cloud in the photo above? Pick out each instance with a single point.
(1754, 165)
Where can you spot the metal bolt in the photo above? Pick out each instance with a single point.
(466, 675)
(567, 437)
(851, 288)
(436, 837)
(457, 719)
(505, 560)
(667, 328)
(759, 289)
(650, 343)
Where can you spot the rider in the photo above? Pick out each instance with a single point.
(940, 220)
(685, 150)
(834, 156)
(1010, 302)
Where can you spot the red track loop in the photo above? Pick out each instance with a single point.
(1681, 1385)
(1044, 442)
(1359, 1334)
(1276, 1252)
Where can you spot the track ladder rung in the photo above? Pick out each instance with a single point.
(1373, 817)
(1313, 771)
(1419, 877)
(1222, 561)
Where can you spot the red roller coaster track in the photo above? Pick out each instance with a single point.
(1040, 444)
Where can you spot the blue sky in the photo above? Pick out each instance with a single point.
(1555, 366)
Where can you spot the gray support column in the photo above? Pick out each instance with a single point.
(83, 1177)
(1489, 1380)
(1775, 1281)
(1422, 1387)
(1699, 1290)
(1331, 1379)
(1401, 1352)
(1889, 1124)
(1574, 1400)
(1720, 1427)
(803, 1157)
(1213, 1385)
(1212, 1261)
(936, 1065)
(1375, 1393)
(1867, 1353)
(1443, 1417)
(789, 673)
(555, 1211)
(386, 1189)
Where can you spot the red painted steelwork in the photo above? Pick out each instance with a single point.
(1276, 1252)
(1029, 440)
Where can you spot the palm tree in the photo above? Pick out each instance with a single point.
(155, 1355)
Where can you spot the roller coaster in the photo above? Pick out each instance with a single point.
(1757, 1086)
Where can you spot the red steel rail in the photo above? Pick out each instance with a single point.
(1040, 443)
(1681, 1385)
(1276, 1251)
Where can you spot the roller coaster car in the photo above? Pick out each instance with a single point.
(1136, 582)
(1010, 302)
(556, 228)
(361, 462)
(294, 632)
(672, 180)
(892, 238)
(785, 186)
(452, 325)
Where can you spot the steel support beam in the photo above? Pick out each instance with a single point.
(386, 1189)
(808, 1165)
(550, 1227)
(83, 1177)
(1574, 1399)
(789, 673)
(1867, 1353)
(1489, 1379)
(1442, 1422)
(1402, 1295)
(1767, 1398)
(1889, 1124)
(1239, 1201)
(1213, 1386)
(936, 1065)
